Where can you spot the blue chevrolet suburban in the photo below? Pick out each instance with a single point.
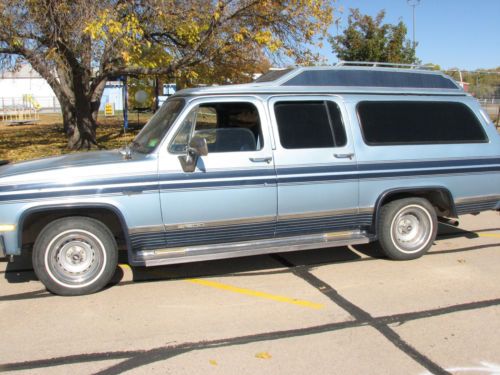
(302, 158)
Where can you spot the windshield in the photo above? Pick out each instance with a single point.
(157, 127)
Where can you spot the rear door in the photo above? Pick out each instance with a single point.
(316, 166)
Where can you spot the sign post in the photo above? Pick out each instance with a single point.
(125, 103)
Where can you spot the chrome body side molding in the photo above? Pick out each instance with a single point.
(247, 248)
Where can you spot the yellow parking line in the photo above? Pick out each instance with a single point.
(495, 235)
(254, 293)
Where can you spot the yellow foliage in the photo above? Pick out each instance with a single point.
(238, 37)
(263, 37)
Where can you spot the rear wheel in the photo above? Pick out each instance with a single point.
(407, 228)
(75, 256)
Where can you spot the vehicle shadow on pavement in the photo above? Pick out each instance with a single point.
(244, 266)
(21, 271)
(450, 231)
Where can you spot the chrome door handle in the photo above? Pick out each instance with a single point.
(266, 159)
(343, 156)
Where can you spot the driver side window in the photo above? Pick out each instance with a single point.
(227, 127)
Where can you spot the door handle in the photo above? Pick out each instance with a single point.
(266, 159)
(344, 156)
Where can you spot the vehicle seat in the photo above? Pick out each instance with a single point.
(229, 139)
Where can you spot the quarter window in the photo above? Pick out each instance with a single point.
(407, 122)
(310, 124)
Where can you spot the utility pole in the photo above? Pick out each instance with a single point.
(413, 4)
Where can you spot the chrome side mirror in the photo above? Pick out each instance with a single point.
(197, 147)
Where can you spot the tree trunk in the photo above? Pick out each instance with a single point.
(79, 124)
(80, 118)
(78, 95)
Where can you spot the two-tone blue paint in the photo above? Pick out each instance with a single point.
(151, 191)
(220, 179)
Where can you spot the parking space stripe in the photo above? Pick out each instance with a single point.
(254, 293)
(494, 235)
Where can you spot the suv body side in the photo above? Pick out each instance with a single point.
(298, 192)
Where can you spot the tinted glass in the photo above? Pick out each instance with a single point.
(272, 75)
(418, 123)
(337, 124)
(311, 124)
(370, 78)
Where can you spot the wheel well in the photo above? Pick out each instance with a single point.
(440, 198)
(33, 223)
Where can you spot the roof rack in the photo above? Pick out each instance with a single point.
(384, 64)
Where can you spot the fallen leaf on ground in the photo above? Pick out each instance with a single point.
(263, 355)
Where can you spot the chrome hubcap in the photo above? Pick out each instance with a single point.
(75, 258)
(411, 228)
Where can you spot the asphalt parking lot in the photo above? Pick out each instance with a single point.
(328, 311)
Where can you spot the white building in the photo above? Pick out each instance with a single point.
(15, 86)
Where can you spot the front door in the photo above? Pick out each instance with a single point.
(231, 196)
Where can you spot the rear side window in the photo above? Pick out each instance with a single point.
(310, 124)
(406, 122)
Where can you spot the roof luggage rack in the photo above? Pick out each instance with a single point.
(384, 65)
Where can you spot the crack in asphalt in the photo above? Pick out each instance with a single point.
(168, 351)
(362, 316)
(138, 358)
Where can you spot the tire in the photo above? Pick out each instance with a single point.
(89, 261)
(407, 228)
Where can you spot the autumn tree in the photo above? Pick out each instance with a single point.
(77, 45)
(484, 83)
(369, 39)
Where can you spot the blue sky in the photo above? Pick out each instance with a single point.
(451, 33)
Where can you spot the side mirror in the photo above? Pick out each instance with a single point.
(199, 144)
(197, 147)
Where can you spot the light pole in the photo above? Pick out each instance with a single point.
(413, 4)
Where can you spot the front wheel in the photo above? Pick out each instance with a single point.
(407, 228)
(75, 256)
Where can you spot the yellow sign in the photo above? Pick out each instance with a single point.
(109, 109)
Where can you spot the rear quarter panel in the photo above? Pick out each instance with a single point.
(451, 166)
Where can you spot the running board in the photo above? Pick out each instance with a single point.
(240, 249)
